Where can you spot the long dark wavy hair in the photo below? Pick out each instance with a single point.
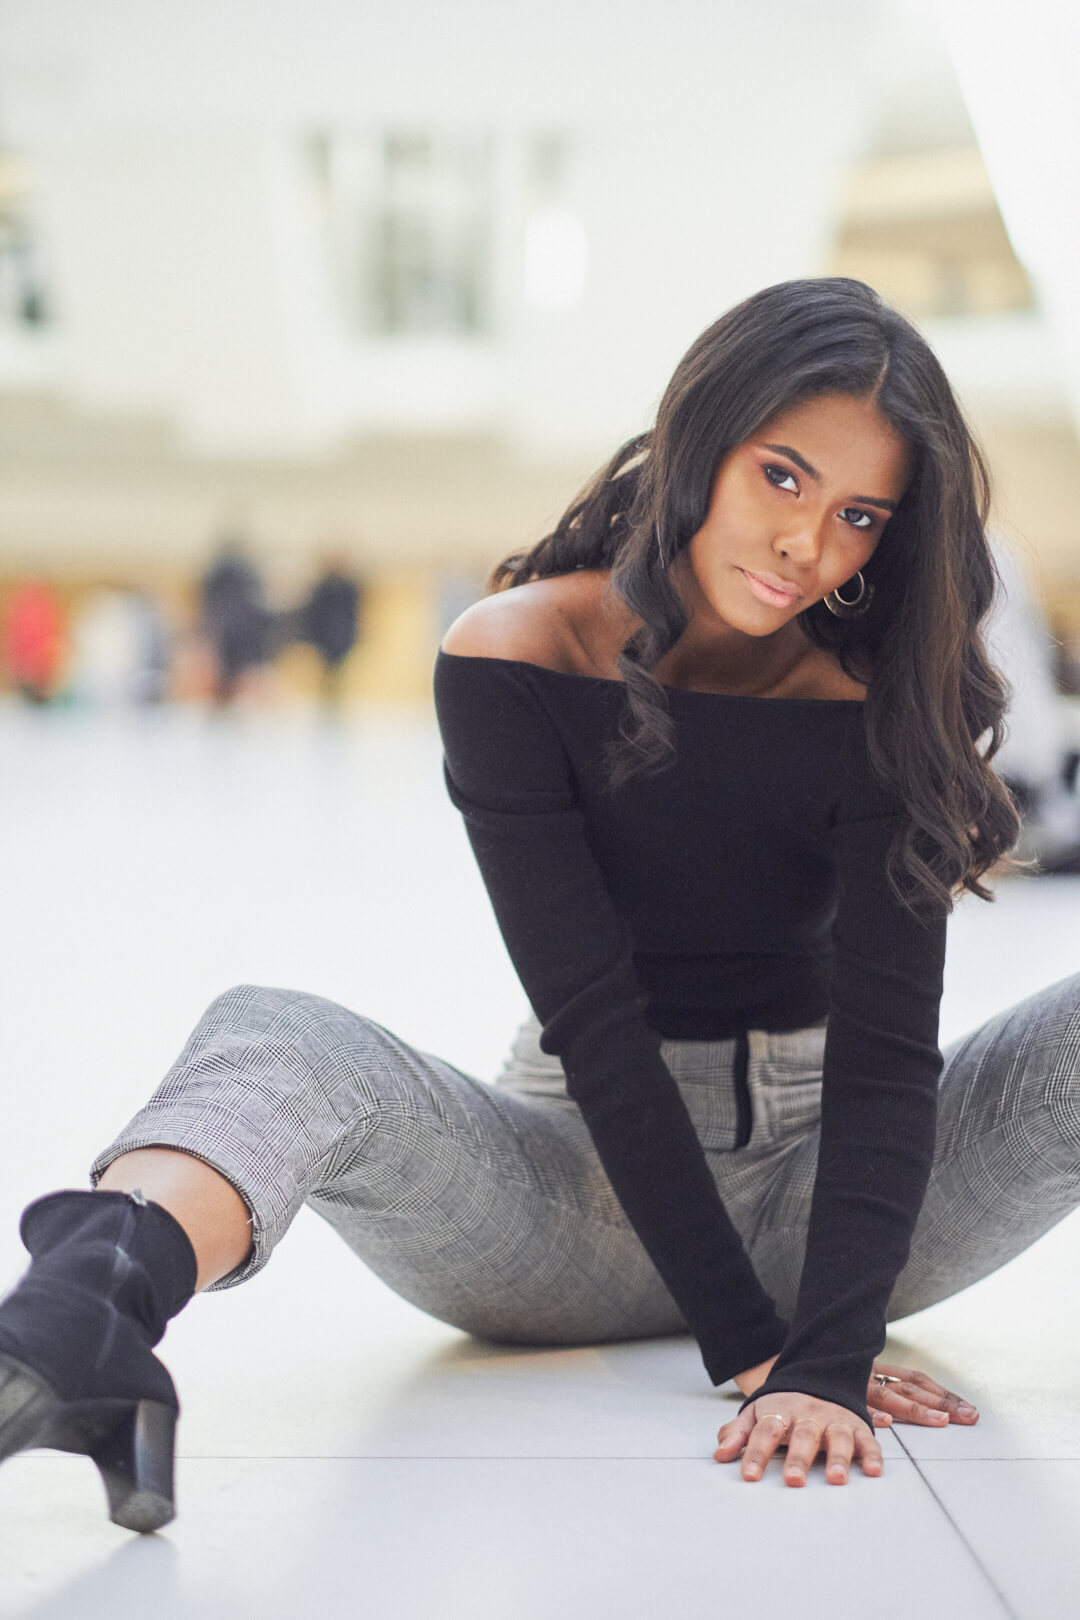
(932, 694)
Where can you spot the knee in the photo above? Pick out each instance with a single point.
(243, 1009)
(235, 1001)
(1062, 1099)
(261, 1007)
(1058, 1059)
(252, 1023)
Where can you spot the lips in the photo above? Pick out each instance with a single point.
(773, 583)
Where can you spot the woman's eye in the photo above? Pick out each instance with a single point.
(781, 478)
(857, 519)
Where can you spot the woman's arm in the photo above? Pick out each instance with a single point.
(507, 772)
(882, 1063)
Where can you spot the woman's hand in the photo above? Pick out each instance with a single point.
(806, 1426)
(915, 1398)
(911, 1396)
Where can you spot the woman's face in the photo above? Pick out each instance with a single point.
(803, 504)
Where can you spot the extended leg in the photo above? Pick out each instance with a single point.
(490, 1211)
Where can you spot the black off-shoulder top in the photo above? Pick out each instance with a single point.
(742, 888)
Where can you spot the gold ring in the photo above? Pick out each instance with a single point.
(887, 1378)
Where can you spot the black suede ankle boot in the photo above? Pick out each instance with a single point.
(77, 1372)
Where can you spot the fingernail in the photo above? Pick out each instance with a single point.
(940, 1417)
(966, 1409)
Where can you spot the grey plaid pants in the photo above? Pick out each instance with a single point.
(485, 1205)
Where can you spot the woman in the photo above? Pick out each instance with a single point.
(721, 744)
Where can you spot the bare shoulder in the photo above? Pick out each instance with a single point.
(536, 622)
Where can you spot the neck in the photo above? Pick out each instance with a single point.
(711, 654)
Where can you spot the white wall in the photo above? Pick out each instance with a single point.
(710, 137)
(711, 142)
(1019, 67)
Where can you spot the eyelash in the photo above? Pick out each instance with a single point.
(784, 472)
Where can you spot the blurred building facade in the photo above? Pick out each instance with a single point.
(396, 285)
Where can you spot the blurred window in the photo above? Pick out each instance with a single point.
(408, 218)
(924, 228)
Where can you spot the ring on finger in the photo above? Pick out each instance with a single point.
(887, 1378)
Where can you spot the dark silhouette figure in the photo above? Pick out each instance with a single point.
(330, 621)
(235, 619)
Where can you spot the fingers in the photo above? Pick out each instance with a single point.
(841, 1449)
(767, 1435)
(918, 1398)
(905, 1404)
(868, 1451)
(803, 1443)
(937, 1397)
(734, 1435)
(803, 1437)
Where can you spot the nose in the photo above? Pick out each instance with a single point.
(804, 542)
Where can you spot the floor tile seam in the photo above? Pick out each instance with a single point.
(959, 1534)
(444, 1456)
(933, 1461)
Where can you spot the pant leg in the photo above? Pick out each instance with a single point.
(1007, 1160)
(1006, 1163)
(487, 1208)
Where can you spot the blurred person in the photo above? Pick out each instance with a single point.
(330, 621)
(154, 643)
(105, 650)
(1036, 759)
(35, 640)
(714, 740)
(1068, 663)
(120, 648)
(235, 620)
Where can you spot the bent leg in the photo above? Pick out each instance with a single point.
(487, 1209)
(1007, 1159)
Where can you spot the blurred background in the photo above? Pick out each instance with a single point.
(311, 313)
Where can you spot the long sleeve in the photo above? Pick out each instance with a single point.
(881, 1069)
(508, 773)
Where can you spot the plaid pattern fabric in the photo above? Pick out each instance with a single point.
(484, 1203)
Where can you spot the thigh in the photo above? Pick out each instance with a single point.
(486, 1206)
(768, 1185)
(1007, 1160)
(490, 1210)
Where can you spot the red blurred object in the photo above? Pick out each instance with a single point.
(34, 639)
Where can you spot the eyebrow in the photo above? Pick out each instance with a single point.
(812, 472)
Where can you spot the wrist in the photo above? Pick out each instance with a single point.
(750, 1380)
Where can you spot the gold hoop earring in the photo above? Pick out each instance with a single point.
(857, 606)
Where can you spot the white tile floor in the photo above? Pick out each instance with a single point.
(341, 1453)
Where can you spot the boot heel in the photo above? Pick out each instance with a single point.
(135, 1461)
